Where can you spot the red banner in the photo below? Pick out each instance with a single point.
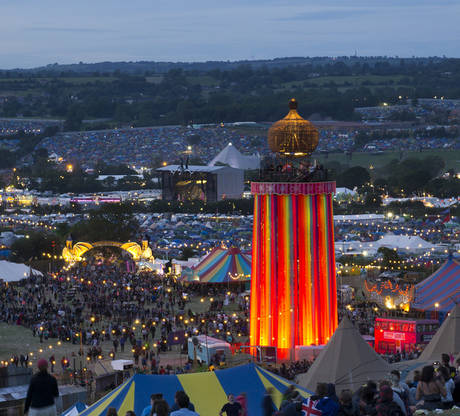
(289, 188)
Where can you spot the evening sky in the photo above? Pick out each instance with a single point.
(36, 33)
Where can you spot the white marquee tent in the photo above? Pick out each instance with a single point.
(14, 272)
(405, 243)
(233, 158)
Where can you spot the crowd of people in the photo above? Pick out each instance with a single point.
(431, 389)
(114, 309)
(111, 309)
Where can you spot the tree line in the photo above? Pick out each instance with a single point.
(242, 93)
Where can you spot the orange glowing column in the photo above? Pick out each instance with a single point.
(293, 286)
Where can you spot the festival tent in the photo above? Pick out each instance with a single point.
(347, 360)
(14, 272)
(438, 291)
(75, 409)
(344, 191)
(233, 158)
(446, 340)
(405, 243)
(221, 265)
(8, 240)
(207, 391)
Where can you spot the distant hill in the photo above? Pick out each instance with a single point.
(140, 67)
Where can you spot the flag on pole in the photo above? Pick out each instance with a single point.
(447, 217)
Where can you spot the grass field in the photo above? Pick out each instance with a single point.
(451, 158)
(69, 80)
(16, 339)
(203, 81)
(356, 81)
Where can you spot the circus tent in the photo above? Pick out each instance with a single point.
(207, 391)
(75, 409)
(439, 291)
(221, 265)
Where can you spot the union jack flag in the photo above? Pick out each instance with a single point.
(309, 408)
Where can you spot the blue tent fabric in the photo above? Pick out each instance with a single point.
(75, 409)
(441, 288)
(207, 391)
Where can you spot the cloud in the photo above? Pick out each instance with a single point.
(70, 30)
(326, 15)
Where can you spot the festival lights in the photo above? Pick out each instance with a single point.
(293, 270)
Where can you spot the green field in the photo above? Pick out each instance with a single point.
(154, 80)
(356, 80)
(374, 162)
(69, 80)
(203, 81)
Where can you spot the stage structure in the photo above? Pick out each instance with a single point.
(293, 260)
(208, 183)
(73, 252)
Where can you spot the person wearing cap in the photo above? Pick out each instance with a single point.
(43, 388)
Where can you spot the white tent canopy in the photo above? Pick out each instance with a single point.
(14, 272)
(406, 243)
(233, 158)
(345, 191)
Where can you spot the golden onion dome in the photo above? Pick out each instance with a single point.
(293, 137)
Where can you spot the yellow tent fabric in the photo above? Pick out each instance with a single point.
(207, 391)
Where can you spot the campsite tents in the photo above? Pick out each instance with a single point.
(221, 265)
(207, 391)
(405, 243)
(233, 158)
(438, 291)
(347, 360)
(14, 272)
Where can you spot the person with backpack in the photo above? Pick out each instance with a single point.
(400, 392)
(396, 397)
(386, 406)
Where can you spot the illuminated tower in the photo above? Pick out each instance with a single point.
(293, 280)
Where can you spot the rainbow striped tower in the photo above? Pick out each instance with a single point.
(293, 279)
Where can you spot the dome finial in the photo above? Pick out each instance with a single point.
(293, 104)
(293, 137)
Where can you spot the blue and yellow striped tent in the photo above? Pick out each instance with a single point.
(207, 391)
(221, 265)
